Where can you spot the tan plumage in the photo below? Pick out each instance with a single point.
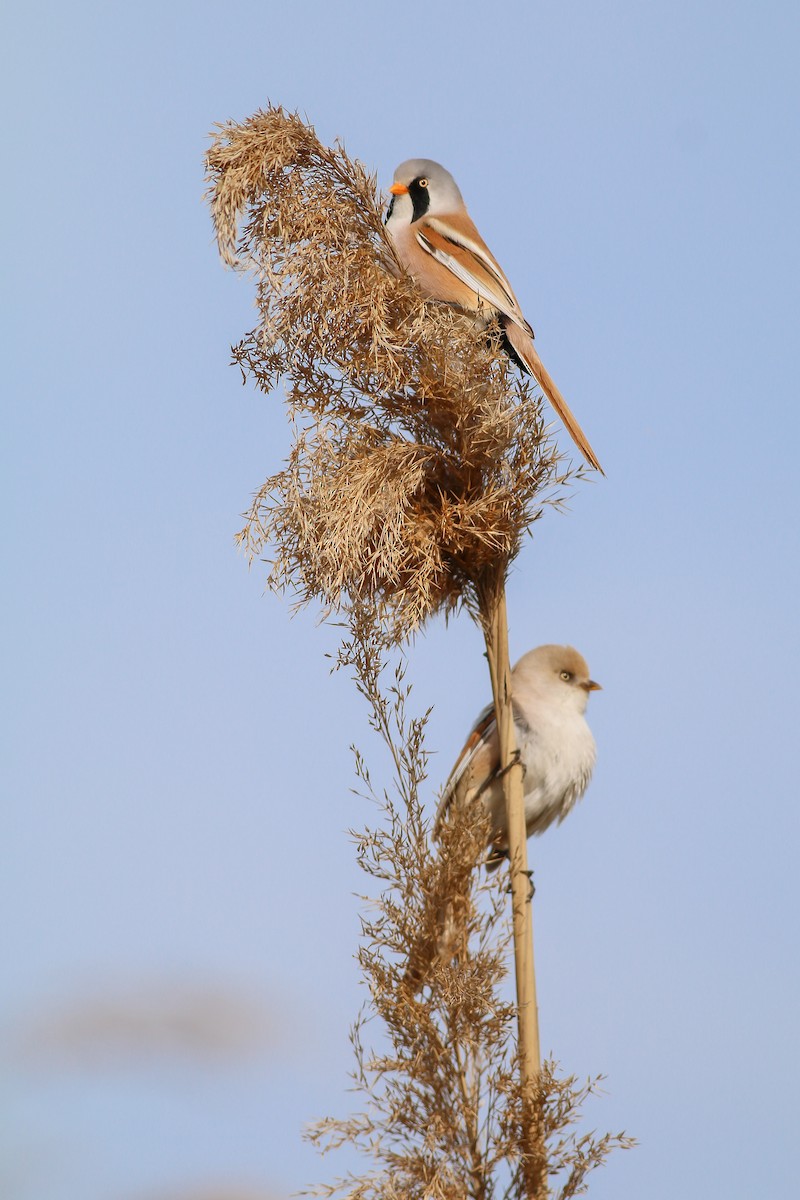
(438, 244)
(550, 688)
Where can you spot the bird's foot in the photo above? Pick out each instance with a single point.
(514, 761)
(531, 885)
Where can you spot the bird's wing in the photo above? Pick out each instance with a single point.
(462, 250)
(480, 742)
(455, 243)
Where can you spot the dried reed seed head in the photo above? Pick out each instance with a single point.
(444, 1111)
(419, 459)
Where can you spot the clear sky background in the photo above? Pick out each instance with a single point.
(179, 922)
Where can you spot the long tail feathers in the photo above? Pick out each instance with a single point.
(527, 352)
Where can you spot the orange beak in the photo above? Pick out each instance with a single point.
(591, 686)
(398, 189)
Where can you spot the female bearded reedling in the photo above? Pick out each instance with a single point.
(438, 244)
(550, 689)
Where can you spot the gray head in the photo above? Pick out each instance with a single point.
(422, 186)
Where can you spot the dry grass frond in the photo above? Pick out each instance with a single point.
(447, 1114)
(419, 460)
(419, 457)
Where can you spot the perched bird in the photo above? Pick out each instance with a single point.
(550, 689)
(437, 243)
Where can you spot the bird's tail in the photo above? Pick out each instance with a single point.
(525, 350)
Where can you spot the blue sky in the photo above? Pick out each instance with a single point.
(634, 169)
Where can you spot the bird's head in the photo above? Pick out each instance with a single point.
(560, 673)
(421, 188)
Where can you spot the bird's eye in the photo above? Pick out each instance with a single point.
(422, 182)
(566, 676)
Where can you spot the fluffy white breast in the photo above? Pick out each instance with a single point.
(558, 754)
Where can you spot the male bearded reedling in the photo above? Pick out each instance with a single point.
(438, 244)
(550, 689)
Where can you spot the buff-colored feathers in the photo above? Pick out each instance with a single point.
(440, 247)
(550, 688)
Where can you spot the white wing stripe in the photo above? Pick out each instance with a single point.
(459, 239)
(461, 272)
